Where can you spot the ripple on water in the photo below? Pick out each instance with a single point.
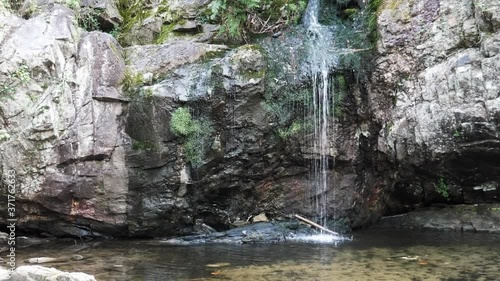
(372, 255)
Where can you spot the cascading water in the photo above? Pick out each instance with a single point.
(321, 59)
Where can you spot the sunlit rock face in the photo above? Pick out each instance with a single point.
(436, 92)
(63, 126)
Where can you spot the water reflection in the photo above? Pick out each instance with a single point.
(373, 255)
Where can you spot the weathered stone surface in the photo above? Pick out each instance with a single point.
(188, 9)
(161, 167)
(160, 59)
(436, 93)
(143, 33)
(260, 218)
(186, 26)
(178, 23)
(63, 126)
(103, 59)
(476, 218)
(39, 273)
(110, 16)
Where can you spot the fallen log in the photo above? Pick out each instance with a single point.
(316, 225)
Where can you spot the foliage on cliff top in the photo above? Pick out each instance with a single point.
(238, 18)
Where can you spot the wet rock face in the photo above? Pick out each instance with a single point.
(438, 75)
(166, 195)
(63, 124)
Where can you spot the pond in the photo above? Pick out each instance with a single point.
(374, 254)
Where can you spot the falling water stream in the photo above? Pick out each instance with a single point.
(321, 60)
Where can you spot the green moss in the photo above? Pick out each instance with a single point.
(252, 74)
(351, 12)
(134, 13)
(212, 55)
(142, 145)
(166, 31)
(292, 130)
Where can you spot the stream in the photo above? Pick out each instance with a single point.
(374, 254)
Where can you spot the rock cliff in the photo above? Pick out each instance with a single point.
(85, 121)
(437, 73)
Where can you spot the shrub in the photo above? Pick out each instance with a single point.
(237, 17)
(198, 143)
(88, 19)
(132, 82)
(182, 123)
(443, 189)
(196, 133)
(19, 77)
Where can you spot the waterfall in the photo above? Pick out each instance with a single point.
(321, 60)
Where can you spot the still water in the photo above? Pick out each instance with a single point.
(372, 255)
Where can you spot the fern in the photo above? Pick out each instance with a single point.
(234, 15)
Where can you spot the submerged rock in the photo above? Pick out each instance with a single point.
(39, 273)
(268, 232)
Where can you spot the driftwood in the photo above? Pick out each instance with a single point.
(316, 225)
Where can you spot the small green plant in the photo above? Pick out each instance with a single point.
(5, 4)
(196, 133)
(88, 19)
(182, 123)
(23, 74)
(12, 5)
(456, 134)
(443, 189)
(135, 12)
(72, 4)
(30, 8)
(198, 143)
(132, 82)
(292, 130)
(19, 77)
(116, 32)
